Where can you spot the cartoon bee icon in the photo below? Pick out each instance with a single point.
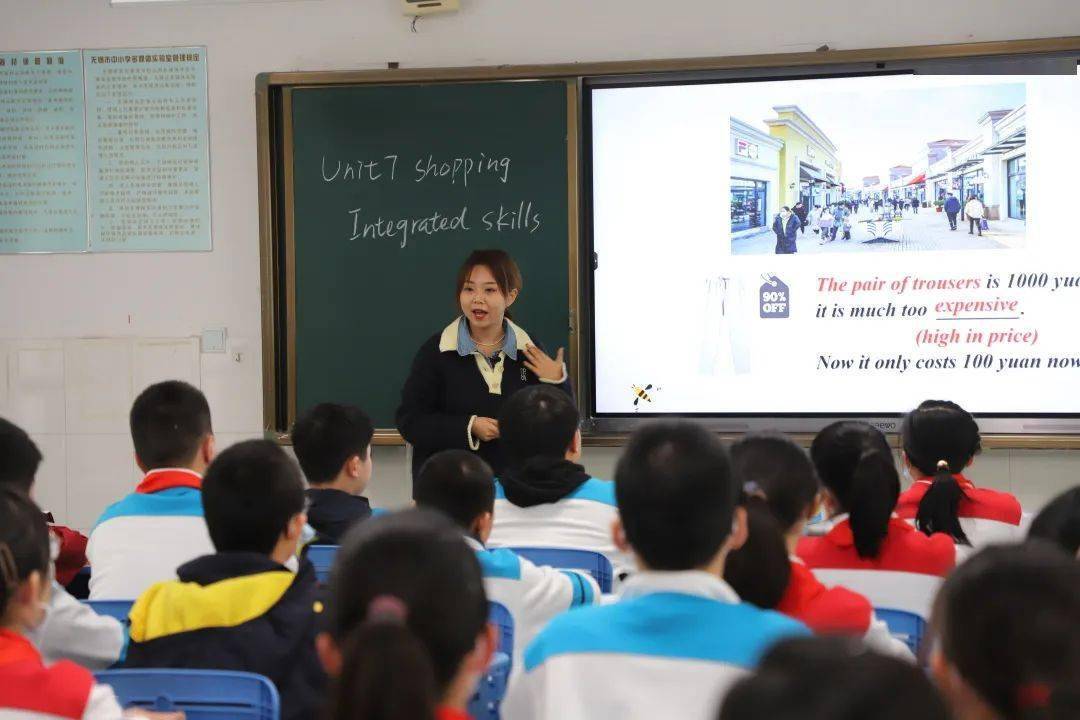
(642, 393)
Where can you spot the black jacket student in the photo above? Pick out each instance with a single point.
(236, 611)
(447, 387)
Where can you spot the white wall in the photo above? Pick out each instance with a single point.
(57, 298)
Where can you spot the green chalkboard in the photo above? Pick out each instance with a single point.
(392, 187)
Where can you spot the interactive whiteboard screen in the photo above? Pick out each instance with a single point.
(837, 246)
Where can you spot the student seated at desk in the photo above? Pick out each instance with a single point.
(71, 630)
(679, 636)
(30, 688)
(144, 537)
(544, 497)
(856, 466)
(783, 484)
(940, 441)
(240, 608)
(459, 484)
(407, 636)
(1006, 635)
(333, 445)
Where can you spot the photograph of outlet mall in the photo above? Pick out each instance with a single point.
(941, 168)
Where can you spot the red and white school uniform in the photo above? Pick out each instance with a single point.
(835, 610)
(987, 516)
(905, 575)
(30, 690)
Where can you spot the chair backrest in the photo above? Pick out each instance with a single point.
(118, 609)
(201, 694)
(501, 617)
(489, 693)
(907, 627)
(594, 563)
(911, 592)
(322, 558)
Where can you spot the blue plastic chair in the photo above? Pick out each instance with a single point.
(904, 626)
(322, 558)
(489, 694)
(591, 562)
(201, 694)
(119, 609)
(501, 617)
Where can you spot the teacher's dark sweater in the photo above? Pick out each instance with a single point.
(445, 389)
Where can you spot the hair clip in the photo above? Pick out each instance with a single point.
(943, 465)
(1033, 695)
(752, 489)
(388, 609)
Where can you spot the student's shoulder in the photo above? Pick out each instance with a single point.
(178, 502)
(988, 504)
(595, 490)
(500, 563)
(931, 554)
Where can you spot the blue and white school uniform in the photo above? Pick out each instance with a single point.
(144, 537)
(582, 521)
(533, 594)
(670, 648)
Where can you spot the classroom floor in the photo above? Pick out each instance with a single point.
(927, 230)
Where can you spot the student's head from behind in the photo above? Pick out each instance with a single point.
(488, 283)
(170, 426)
(332, 442)
(939, 440)
(461, 486)
(540, 421)
(1006, 632)
(253, 500)
(24, 561)
(857, 470)
(781, 472)
(406, 619)
(1059, 522)
(832, 678)
(677, 499)
(19, 458)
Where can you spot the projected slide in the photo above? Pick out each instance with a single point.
(842, 245)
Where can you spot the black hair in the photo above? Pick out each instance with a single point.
(1059, 522)
(458, 484)
(760, 570)
(832, 678)
(537, 421)
(326, 436)
(855, 463)
(19, 457)
(406, 604)
(939, 439)
(169, 421)
(1008, 620)
(781, 471)
(24, 542)
(676, 495)
(250, 493)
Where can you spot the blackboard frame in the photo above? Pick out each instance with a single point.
(271, 93)
(278, 249)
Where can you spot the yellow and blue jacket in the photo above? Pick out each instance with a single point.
(235, 611)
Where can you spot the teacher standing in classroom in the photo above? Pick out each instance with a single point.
(461, 376)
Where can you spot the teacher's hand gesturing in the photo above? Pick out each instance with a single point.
(543, 366)
(485, 429)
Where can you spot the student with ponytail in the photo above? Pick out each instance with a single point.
(1006, 628)
(941, 439)
(407, 633)
(862, 486)
(783, 493)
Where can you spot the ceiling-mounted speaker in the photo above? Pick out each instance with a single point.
(430, 7)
